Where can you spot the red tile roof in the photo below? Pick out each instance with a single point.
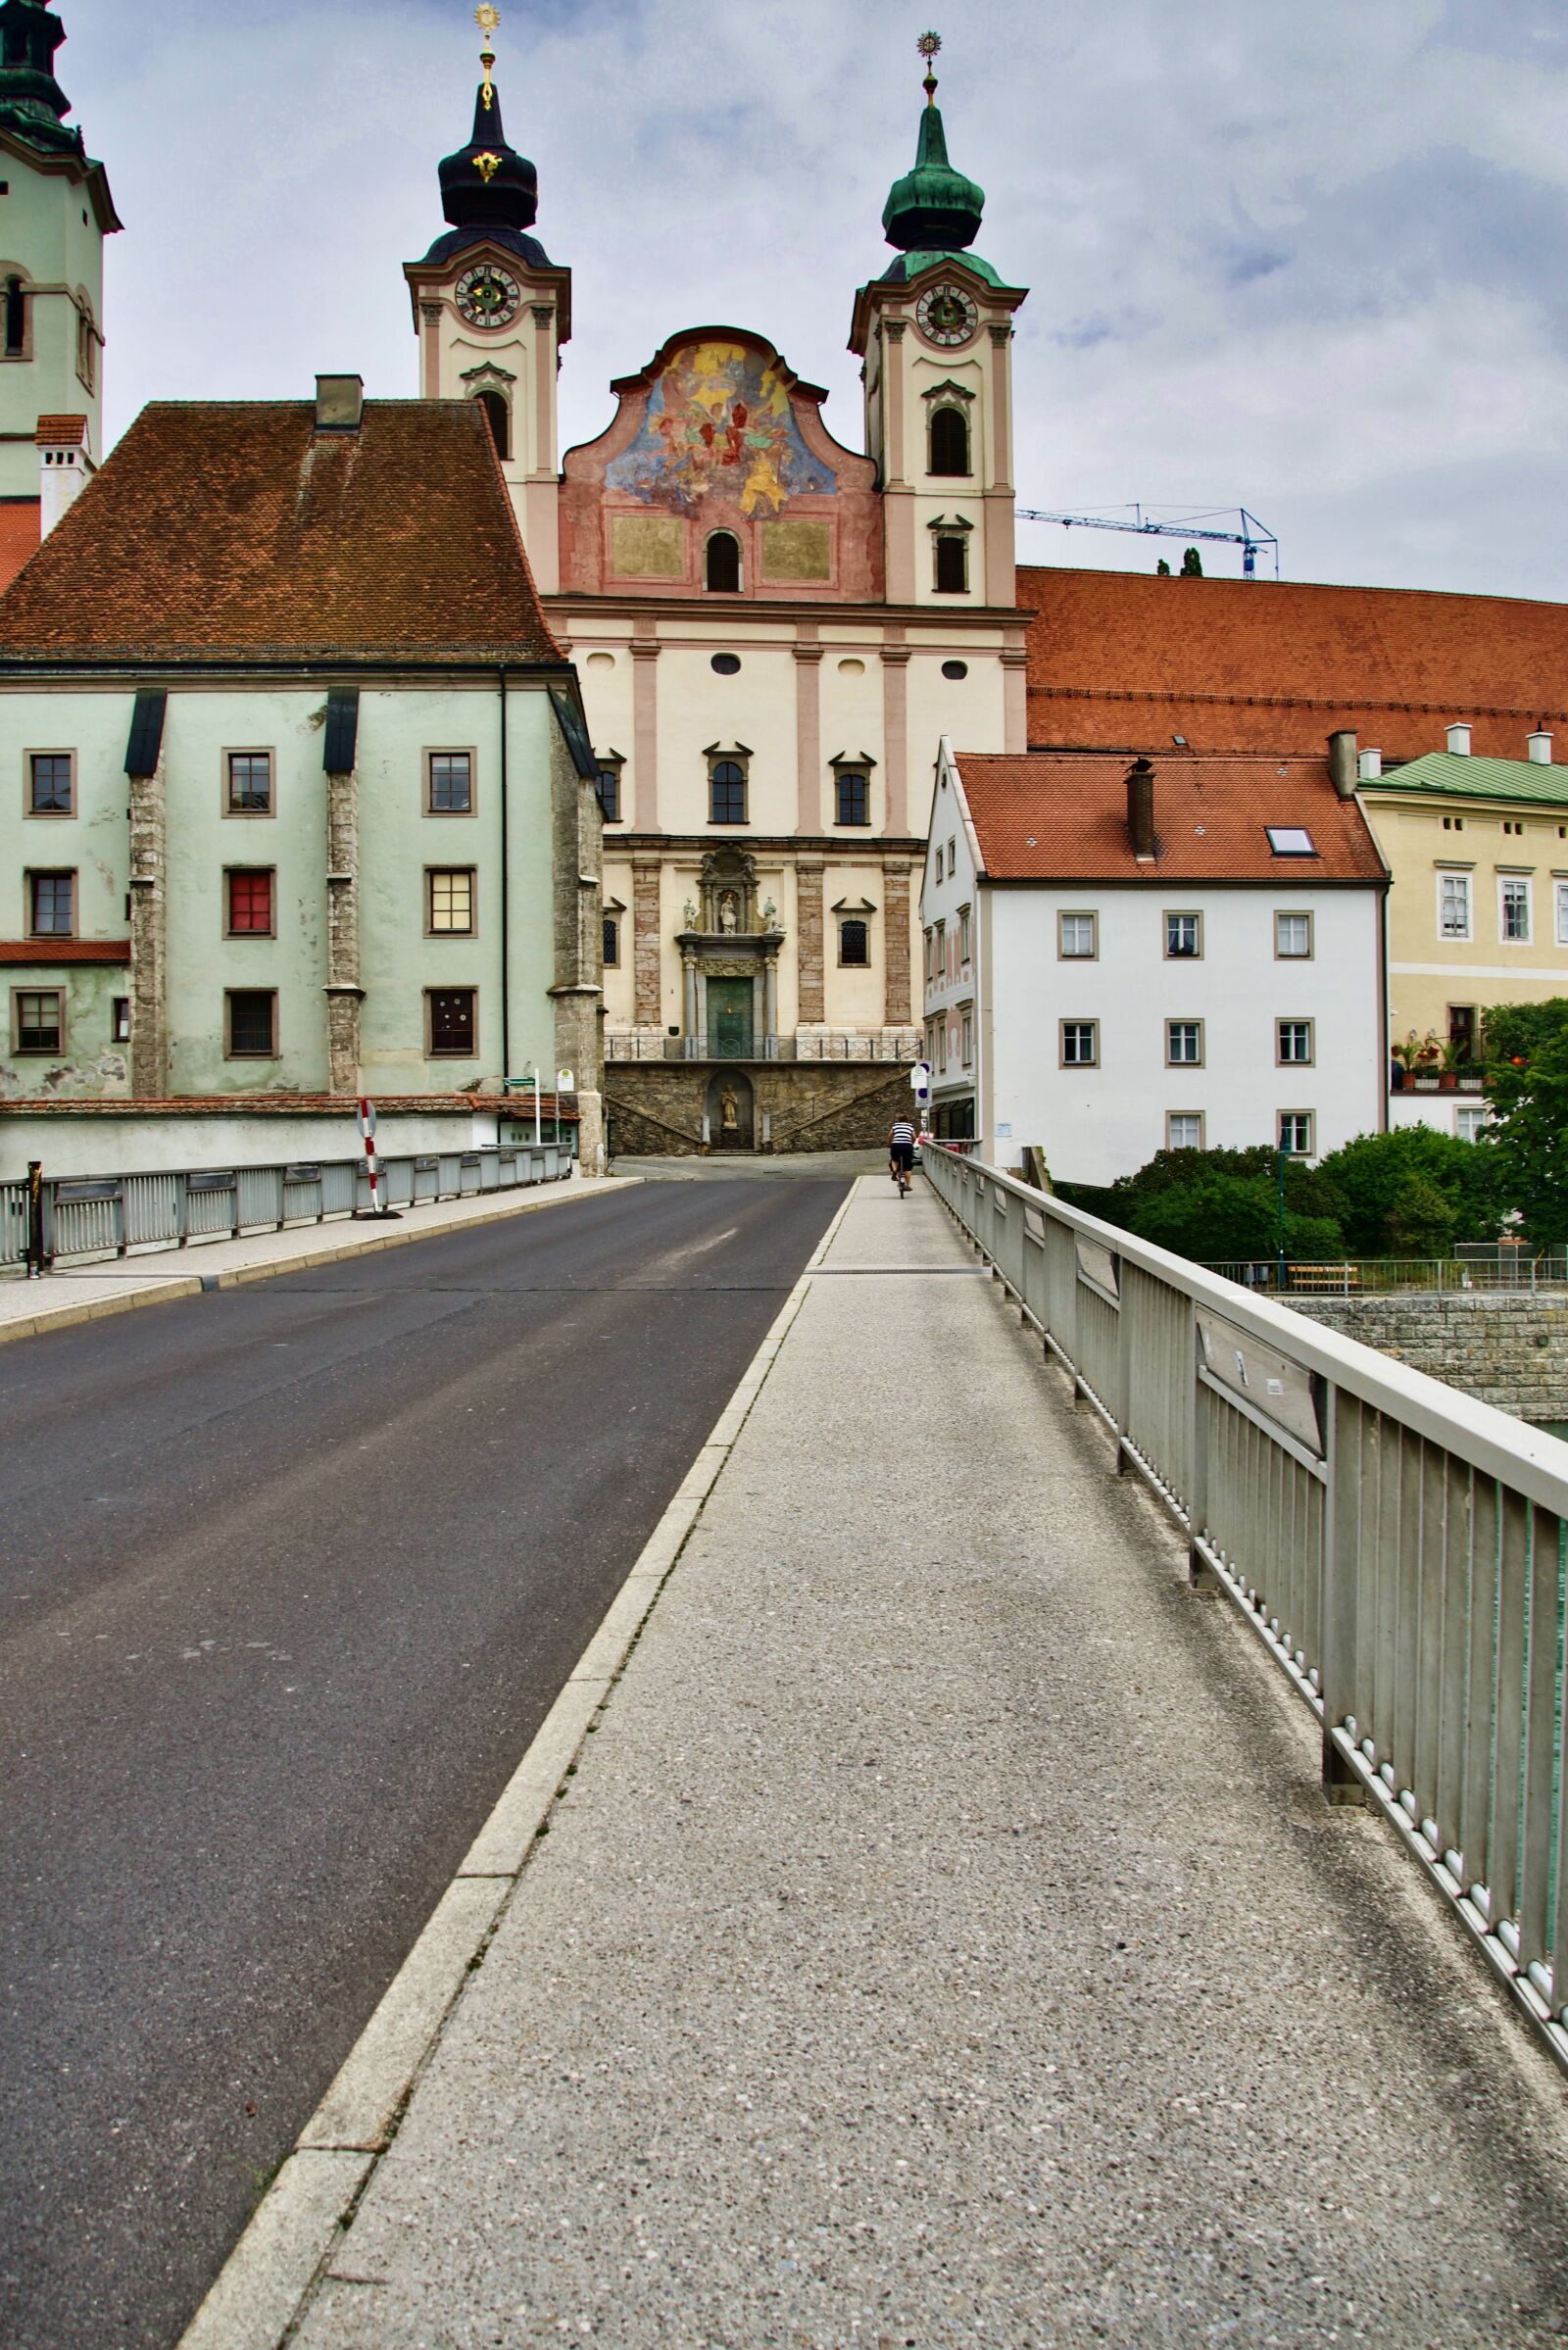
(65, 951)
(235, 531)
(1124, 658)
(19, 536)
(1063, 816)
(61, 432)
(278, 1105)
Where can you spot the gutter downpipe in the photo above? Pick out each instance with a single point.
(506, 919)
(1383, 1039)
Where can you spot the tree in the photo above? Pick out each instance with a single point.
(1221, 1218)
(1526, 1138)
(1371, 1181)
(1423, 1219)
(1163, 569)
(1192, 565)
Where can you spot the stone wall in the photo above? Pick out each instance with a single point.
(1502, 1347)
(656, 1106)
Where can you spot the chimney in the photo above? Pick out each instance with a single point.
(1140, 811)
(1460, 741)
(1342, 761)
(339, 402)
(1541, 748)
(64, 467)
(1369, 767)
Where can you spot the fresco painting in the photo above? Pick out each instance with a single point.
(720, 419)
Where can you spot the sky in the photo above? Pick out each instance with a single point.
(1312, 261)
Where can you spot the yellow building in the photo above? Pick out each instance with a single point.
(1478, 912)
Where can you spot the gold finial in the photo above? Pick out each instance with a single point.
(928, 44)
(487, 18)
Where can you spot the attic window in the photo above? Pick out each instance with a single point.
(1290, 840)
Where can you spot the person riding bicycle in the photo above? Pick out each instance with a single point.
(901, 1152)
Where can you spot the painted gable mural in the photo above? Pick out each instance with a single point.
(720, 419)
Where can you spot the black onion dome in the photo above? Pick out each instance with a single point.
(487, 188)
(31, 100)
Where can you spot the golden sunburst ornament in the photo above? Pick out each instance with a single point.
(929, 45)
(487, 18)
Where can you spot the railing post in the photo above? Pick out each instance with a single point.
(182, 1207)
(1200, 1574)
(117, 1207)
(1340, 1578)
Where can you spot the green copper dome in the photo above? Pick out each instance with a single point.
(933, 209)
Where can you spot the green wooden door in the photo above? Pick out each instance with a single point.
(729, 1019)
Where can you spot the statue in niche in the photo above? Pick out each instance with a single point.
(729, 1121)
(770, 914)
(728, 913)
(690, 912)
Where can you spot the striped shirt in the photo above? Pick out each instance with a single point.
(902, 1131)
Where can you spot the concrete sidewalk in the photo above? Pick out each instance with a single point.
(81, 1293)
(942, 1940)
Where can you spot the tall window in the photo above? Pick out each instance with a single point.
(249, 783)
(51, 905)
(1295, 1132)
(449, 911)
(49, 783)
(251, 1019)
(1078, 942)
(953, 563)
(16, 318)
(250, 903)
(1292, 936)
(1080, 1044)
(726, 792)
(611, 940)
(950, 441)
(964, 936)
(1184, 936)
(1294, 1042)
(1560, 893)
(1454, 906)
(38, 1020)
(853, 793)
(452, 1017)
(967, 1040)
(450, 783)
(84, 348)
(498, 415)
(723, 557)
(607, 784)
(855, 942)
(1515, 909)
(120, 1020)
(1184, 1043)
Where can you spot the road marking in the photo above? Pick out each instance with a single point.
(262, 2289)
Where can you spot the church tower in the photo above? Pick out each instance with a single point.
(491, 310)
(55, 212)
(935, 332)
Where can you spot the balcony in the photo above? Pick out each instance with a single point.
(752, 1045)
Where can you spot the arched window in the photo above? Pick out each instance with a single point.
(950, 441)
(724, 563)
(855, 946)
(726, 785)
(499, 417)
(16, 321)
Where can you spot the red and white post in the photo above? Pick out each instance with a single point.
(368, 1137)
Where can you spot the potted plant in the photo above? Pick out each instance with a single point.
(1402, 1053)
(1425, 1072)
(1450, 1063)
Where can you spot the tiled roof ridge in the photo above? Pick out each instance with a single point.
(1363, 701)
(65, 951)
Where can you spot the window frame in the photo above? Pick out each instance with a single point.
(31, 878)
(610, 929)
(1516, 938)
(965, 937)
(1196, 1060)
(1092, 1060)
(1284, 954)
(472, 874)
(428, 756)
(729, 824)
(967, 1035)
(227, 757)
(119, 1020)
(1078, 913)
(861, 923)
(611, 767)
(966, 473)
(434, 1052)
(1462, 880)
(1559, 901)
(48, 815)
(1469, 1118)
(849, 779)
(1283, 1060)
(943, 539)
(1310, 1119)
(1182, 913)
(230, 1052)
(231, 874)
(1171, 1117)
(21, 1052)
(721, 530)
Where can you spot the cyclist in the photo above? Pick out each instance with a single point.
(901, 1152)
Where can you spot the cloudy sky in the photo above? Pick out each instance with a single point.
(1310, 260)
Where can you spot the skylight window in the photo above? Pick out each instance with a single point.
(1290, 840)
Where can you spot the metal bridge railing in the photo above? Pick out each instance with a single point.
(1399, 1547)
(114, 1215)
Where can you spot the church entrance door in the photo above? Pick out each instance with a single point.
(729, 1019)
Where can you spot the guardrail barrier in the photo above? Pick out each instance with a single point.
(1399, 1547)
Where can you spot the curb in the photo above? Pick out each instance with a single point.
(161, 1286)
(264, 2290)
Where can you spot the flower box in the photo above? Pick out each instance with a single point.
(1425, 1081)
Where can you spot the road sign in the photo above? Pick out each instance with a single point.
(565, 1081)
(921, 1080)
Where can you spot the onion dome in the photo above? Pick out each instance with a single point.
(488, 190)
(31, 100)
(933, 209)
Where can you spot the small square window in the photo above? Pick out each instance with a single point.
(249, 783)
(51, 905)
(251, 1022)
(1184, 1043)
(1292, 1043)
(120, 1024)
(1290, 840)
(1296, 1133)
(449, 783)
(38, 1020)
(852, 793)
(1184, 1130)
(1184, 936)
(1292, 937)
(453, 1014)
(250, 903)
(1077, 937)
(1468, 1122)
(50, 783)
(448, 902)
(854, 943)
(1080, 1044)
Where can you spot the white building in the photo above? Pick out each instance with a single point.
(1129, 957)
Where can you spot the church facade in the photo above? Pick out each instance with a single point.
(772, 631)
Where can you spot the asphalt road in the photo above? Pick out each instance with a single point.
(289, 1576)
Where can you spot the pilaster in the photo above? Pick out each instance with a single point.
(149, 938)
(809, 729)
(808, 927)
(896, 729)
(644, 730)
(344, 993)
(647, 943)
(896, 944)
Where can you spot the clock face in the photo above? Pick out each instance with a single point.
(489, 297)
(947, 315)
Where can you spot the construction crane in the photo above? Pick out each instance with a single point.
(1250, 538)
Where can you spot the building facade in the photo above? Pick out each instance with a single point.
(1125, 958)
(772, 631)
(301, 801)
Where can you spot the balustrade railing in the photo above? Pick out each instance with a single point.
(116, 1216)
(1401, 1548)
(839, 1046)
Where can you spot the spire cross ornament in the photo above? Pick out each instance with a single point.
(487, 18)
(928, 45)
